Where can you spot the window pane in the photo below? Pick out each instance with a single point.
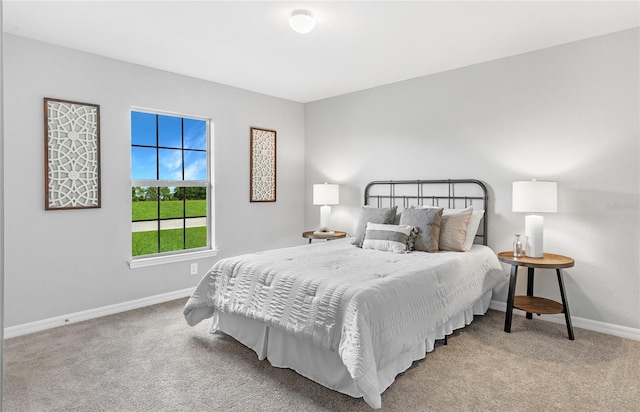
(195, 134)
(144, 243)
(172, 209)
(169, 131)
(166, 193)
(196, 237)
(143, 128)
(143, 163)
(171, 235)
(195, 165)
(170, 163)
(196, 203)
(178, 193)
(144, 204)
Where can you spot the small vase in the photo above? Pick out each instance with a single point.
(518, 249)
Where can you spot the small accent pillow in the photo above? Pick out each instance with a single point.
(427, 222)
(453, 229)
(391, 238)
(373, 215)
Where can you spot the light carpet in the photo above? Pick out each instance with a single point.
(150, 360)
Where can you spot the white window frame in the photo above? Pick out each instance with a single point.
(184, 254)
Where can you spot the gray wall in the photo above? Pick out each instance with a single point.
(567, 113)
(62, 262)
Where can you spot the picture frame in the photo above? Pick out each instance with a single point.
(263, 182)
(71, 155)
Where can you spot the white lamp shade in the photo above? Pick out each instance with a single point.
(302, 21)
(326, 194)
(535, 197)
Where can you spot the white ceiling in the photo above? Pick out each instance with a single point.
(355, 45)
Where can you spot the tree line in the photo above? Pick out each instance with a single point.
(142, 194)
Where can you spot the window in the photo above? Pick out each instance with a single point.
(170, 182)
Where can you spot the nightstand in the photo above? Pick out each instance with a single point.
(533, 304)
(336, 235)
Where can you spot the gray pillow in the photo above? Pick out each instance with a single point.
(427, 221)
(373, 215)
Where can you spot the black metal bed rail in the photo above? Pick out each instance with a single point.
(427, 190)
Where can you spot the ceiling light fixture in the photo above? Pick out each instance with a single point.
(302, 21)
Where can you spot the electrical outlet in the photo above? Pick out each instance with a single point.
(194, 268)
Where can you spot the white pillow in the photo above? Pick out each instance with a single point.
(391, 238)
(472, 228)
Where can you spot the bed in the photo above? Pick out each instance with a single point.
(351, 316)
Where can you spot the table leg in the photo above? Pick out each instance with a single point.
(530, 288)
(565, 304)
(510, 297)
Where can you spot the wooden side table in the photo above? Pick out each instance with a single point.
(533, 304)
(336, 235)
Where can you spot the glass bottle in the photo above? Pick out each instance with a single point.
(518, 249)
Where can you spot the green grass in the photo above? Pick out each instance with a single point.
(168, 209)
(146, 243)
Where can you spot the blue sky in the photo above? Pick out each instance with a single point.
(143, 159)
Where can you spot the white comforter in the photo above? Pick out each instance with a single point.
(366, 305)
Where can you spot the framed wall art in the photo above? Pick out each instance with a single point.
(263, 165)
(72, 155)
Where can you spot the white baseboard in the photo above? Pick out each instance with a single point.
(18, 330)
(608, 328)
(54, 322)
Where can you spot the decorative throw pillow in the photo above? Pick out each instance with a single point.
(373, 215)
(472, 228)
(391, 238)
(453, 229)
(427, 222)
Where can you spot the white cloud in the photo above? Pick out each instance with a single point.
(196, 170)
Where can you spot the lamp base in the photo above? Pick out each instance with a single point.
(533, 236)
(325, 215)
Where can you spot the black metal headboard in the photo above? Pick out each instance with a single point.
(450, 194)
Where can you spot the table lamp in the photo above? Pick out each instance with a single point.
(325, 195)
(534, 197)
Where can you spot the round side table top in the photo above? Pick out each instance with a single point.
(548, 261)
(336, 235)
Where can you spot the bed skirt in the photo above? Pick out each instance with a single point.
(323, 366)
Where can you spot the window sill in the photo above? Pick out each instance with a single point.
(181, 257)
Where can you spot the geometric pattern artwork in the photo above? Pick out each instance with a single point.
(263, 165)
(72, 155)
